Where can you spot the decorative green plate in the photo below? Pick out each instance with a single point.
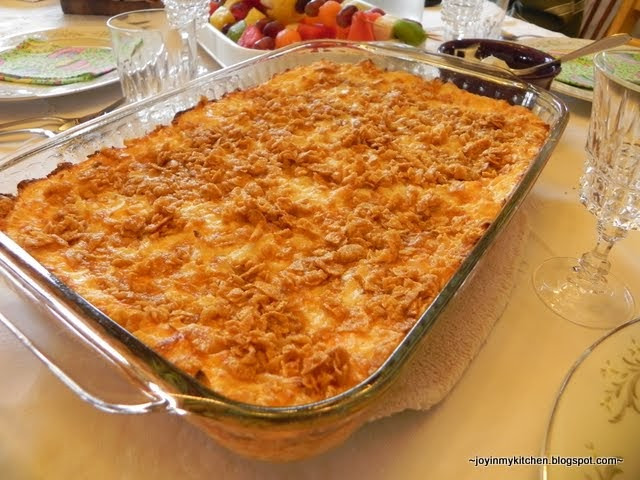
(46, 63)
(576, 77)
(91, 34)
(626, 66)
(578, 72)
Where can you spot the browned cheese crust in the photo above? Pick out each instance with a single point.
(278, 243)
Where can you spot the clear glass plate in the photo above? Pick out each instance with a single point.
(596, 417)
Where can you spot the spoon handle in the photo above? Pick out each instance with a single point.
(597, 46)
(43, 132)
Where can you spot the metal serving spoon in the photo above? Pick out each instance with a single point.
(597, 46)
(60, 123)
(43, 132)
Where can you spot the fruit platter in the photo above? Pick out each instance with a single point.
(241, 29)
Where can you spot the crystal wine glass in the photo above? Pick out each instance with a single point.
(582, 290)
(180, 11)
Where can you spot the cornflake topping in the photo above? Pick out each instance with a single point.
(278, 243)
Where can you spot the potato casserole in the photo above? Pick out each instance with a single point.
(278, 243)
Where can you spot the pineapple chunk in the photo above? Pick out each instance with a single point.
(221, 17)
(284, 11)
(253, 16)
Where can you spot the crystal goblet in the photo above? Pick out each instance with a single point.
(582, 290)
(180, 11)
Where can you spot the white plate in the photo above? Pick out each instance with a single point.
(597, 412)
(77, 36)
(557, 46)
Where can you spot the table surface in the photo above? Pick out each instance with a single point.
(500, 407)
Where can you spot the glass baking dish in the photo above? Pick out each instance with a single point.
(72, 333)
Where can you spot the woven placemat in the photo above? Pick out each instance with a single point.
(462, 328)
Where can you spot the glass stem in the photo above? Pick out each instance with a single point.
(593, 267)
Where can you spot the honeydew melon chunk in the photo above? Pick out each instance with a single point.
(236, 30)
(409, 32)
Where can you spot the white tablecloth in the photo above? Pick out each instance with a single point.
(500, 407)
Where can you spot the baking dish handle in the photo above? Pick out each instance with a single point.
(51, 328)
(158, 401)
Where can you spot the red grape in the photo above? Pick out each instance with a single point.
(253, 4)
(313, 7)
(300, 4)
(377, 10)
(265, 43)
(239, 10)
(260, 24)
(272, 28)
(344, 17)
